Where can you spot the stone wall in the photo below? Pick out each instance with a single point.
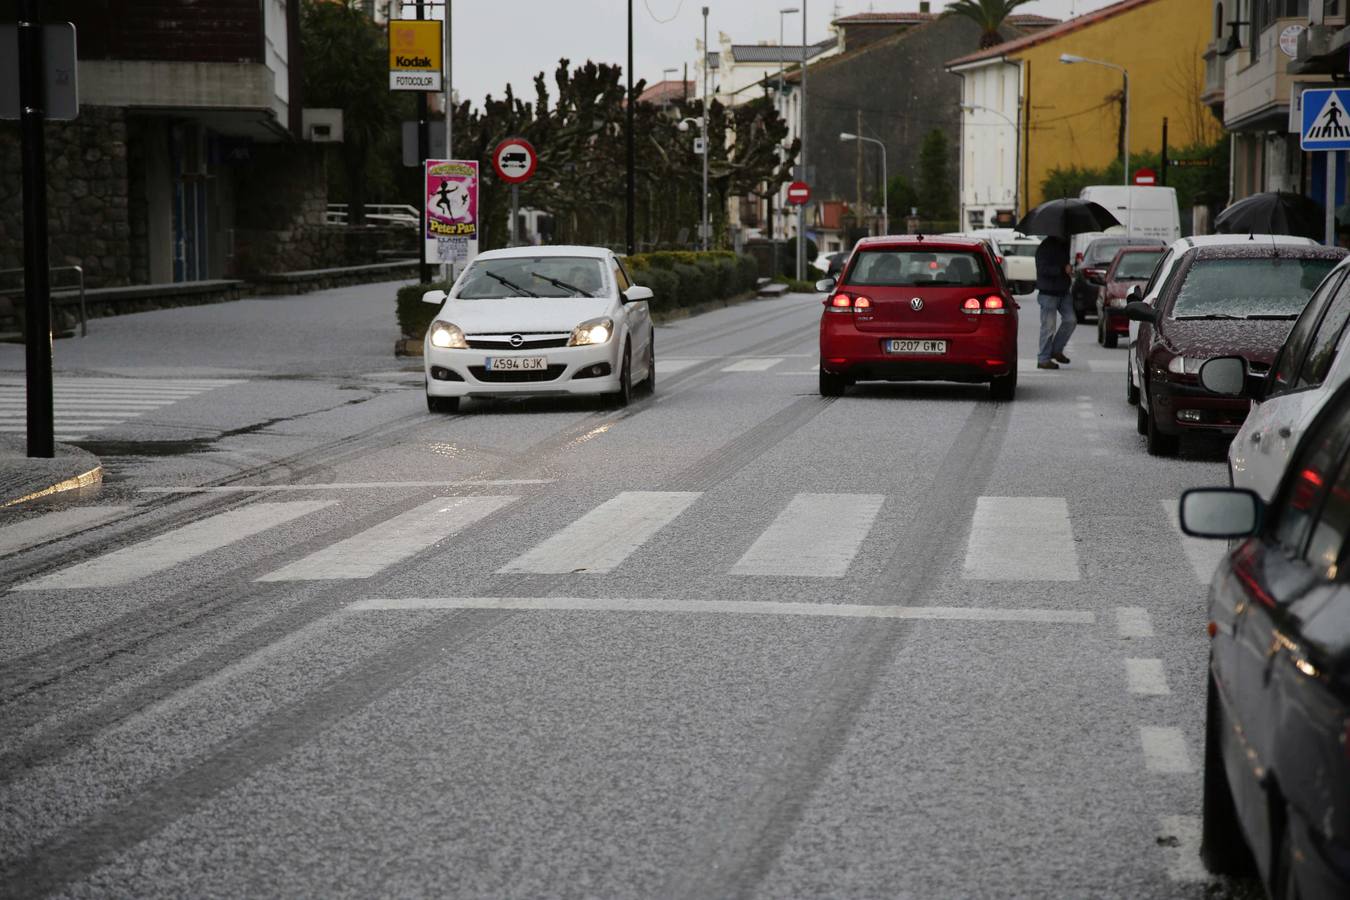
(87, 196)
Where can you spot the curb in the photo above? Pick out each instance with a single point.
(23, 479)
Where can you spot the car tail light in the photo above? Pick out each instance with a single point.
(839, 303)
(971, 307)
(861, 303)
(994, 305)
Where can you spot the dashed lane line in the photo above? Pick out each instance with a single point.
(1133, 622)
(1165, 750)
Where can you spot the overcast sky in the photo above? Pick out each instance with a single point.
(501, 41)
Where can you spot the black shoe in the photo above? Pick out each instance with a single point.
(1047, 365)
(1060, 358)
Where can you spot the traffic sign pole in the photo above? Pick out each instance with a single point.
(37, 291)
(1331, 200)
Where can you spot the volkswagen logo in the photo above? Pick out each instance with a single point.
(916, 304)
(517, 340)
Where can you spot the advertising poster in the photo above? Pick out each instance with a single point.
(452, 211)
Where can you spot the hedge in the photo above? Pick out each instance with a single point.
(678, 278)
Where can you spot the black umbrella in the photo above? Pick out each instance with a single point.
(1274, 212)
(1066, 217)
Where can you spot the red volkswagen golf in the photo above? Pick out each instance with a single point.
(916, 308)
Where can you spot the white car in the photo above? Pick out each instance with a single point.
(540, 320)
(1150, 291)
(1312, 364)
(1019, 263)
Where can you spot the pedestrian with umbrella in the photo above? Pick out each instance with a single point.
(1057, 220)
(1274, 212)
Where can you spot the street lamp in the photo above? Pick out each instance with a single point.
(704, 121)
(773, 215)
(1070, 59)
(1017, 142)
(885, 185)
(801, 154)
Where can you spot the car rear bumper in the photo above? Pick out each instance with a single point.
(1180, 409)
(989, 351)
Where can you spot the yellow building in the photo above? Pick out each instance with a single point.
(1027, 113)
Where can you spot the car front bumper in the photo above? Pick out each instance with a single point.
(1179, 408)
(461, 373)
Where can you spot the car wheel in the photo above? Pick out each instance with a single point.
(1101, 331)
(1140, 419)
(1159, 443)
(1223, 849)
(649, 385)
(624, 395)
(1109, 338)
(1131, 392)
(1003, 387)
(832, 385)
(442, 404)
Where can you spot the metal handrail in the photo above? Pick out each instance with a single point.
(79, 271)
(393, 213)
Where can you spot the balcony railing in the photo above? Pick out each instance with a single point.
(1214, 80)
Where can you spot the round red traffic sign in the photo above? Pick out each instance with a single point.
(798, 192)
(515, 160)
(1145, 177)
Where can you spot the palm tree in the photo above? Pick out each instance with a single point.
(988, 14)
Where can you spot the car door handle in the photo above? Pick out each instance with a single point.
(1285, 432)
(1256, 437)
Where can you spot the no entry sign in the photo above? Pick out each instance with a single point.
(1145, 177)
(515, 160)
(798, 192)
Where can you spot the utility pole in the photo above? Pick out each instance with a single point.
(773, 223)
(1162, 176)
(630, 200)
(448, 268)
(858, 168)
(423, 152)
(704, 118)
(801, 207)
(37, 290)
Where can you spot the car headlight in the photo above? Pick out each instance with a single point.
(1185, 365)
(446, 336)
(594, 331)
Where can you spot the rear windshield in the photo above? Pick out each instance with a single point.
(1249, 288)
(1102, 251)
(1136, 265)
(1020, 249)
(911, 267)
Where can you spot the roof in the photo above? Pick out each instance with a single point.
(772, 53)
(916, 18)
(921, 240)
(665, 91)
(1222, 240)
(1262, 245)
(1077, 23)
(849, 56)
(551, 250)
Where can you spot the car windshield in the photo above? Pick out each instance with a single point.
(539, 276)
(1261, 288)
(1020, 249)
(1137, 266)
(1102, 251)
(911, 267)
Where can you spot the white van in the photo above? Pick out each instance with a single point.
(1149, 212)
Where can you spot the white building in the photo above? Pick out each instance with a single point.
(991, 105)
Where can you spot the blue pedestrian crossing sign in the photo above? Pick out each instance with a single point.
(1326, 119)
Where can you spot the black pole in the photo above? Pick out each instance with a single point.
(423, 151)
(1166, 164)
(37, 331)
(630, 148)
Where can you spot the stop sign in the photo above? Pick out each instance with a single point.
(798, 193)
(1145, 177)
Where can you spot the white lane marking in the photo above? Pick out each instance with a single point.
(816, 535)
(1146, 676)
(1133, 622)
(1183, 851)
(1083, 397)
(666, 366)
(84, 405)
(180, 545)
(1165, 750)
(1203, 555)
(391, 541)
(1086, 414)
(1021, 539)
(754, 365)
(341, 486)
(1107, 365)
(603, 538)
(54, 524)
(739, 607)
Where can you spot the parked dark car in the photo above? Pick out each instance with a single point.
(1089, 273)
(1277, 734)
(1219, 300)
(1132, 267)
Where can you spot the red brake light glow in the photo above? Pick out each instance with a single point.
(971, 306)
(994, 304)
(861, 303)
(839, 303)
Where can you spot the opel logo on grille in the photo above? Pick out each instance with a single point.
(916, 304)
(517, 340)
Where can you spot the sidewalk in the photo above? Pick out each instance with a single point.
(23, 479)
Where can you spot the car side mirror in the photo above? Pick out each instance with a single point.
(1221, 512)
(825, 285)
(436, 296)
(1140, 311)
(1135, 294)
(637, 293)
(1225, 375)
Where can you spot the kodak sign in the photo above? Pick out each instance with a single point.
(415, 55)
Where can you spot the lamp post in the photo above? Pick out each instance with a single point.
(1017, 143)
(801, 132)
(1070, 59)
(703, 120)
(774, 211)
(885, 184)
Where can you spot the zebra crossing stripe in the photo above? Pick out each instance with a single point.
(85, 405)
(753, 365)
(51, 525)
(167, 550)
(602, 539)
(391, 541)
(816, 535)
(1021, 539)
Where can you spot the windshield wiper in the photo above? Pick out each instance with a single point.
(1209, 316)
(506, 282)
(1274, 317)
(559, 283)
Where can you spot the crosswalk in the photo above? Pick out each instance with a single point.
(85, 406)
(805, 365)
(809, 535)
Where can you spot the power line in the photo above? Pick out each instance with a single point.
(673, 16)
